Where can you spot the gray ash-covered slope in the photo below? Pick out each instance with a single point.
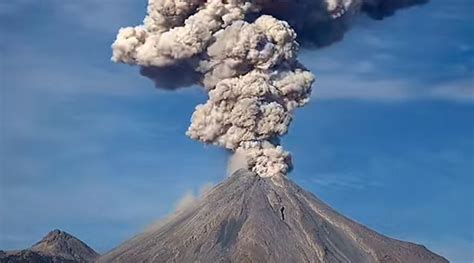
(57, 246)
(252, 219)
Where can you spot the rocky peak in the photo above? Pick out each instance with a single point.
(60, 243)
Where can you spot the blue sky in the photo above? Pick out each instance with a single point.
(92, 148)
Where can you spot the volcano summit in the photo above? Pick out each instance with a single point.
(248, 218)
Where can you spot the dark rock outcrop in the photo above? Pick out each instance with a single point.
(252, 219)
(29, 256)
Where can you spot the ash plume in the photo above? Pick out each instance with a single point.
(244, 54)
(320, 23)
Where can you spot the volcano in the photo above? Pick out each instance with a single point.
(248, 218)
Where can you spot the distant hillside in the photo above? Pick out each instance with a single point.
(56, 247)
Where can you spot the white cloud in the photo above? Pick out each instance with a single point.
(361, 80)
(29, 68)
(460, 90)
(338, 86)
(344, 181)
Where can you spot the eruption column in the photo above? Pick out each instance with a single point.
(249, 69)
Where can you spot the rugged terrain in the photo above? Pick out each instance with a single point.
(57, 246)
(252, 219)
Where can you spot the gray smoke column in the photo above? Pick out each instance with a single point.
(244, 53)
(320, 23)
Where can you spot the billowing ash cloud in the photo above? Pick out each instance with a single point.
(378, 9)
(244, 53)
(320, 23)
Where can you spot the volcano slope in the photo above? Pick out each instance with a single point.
(248, 218)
